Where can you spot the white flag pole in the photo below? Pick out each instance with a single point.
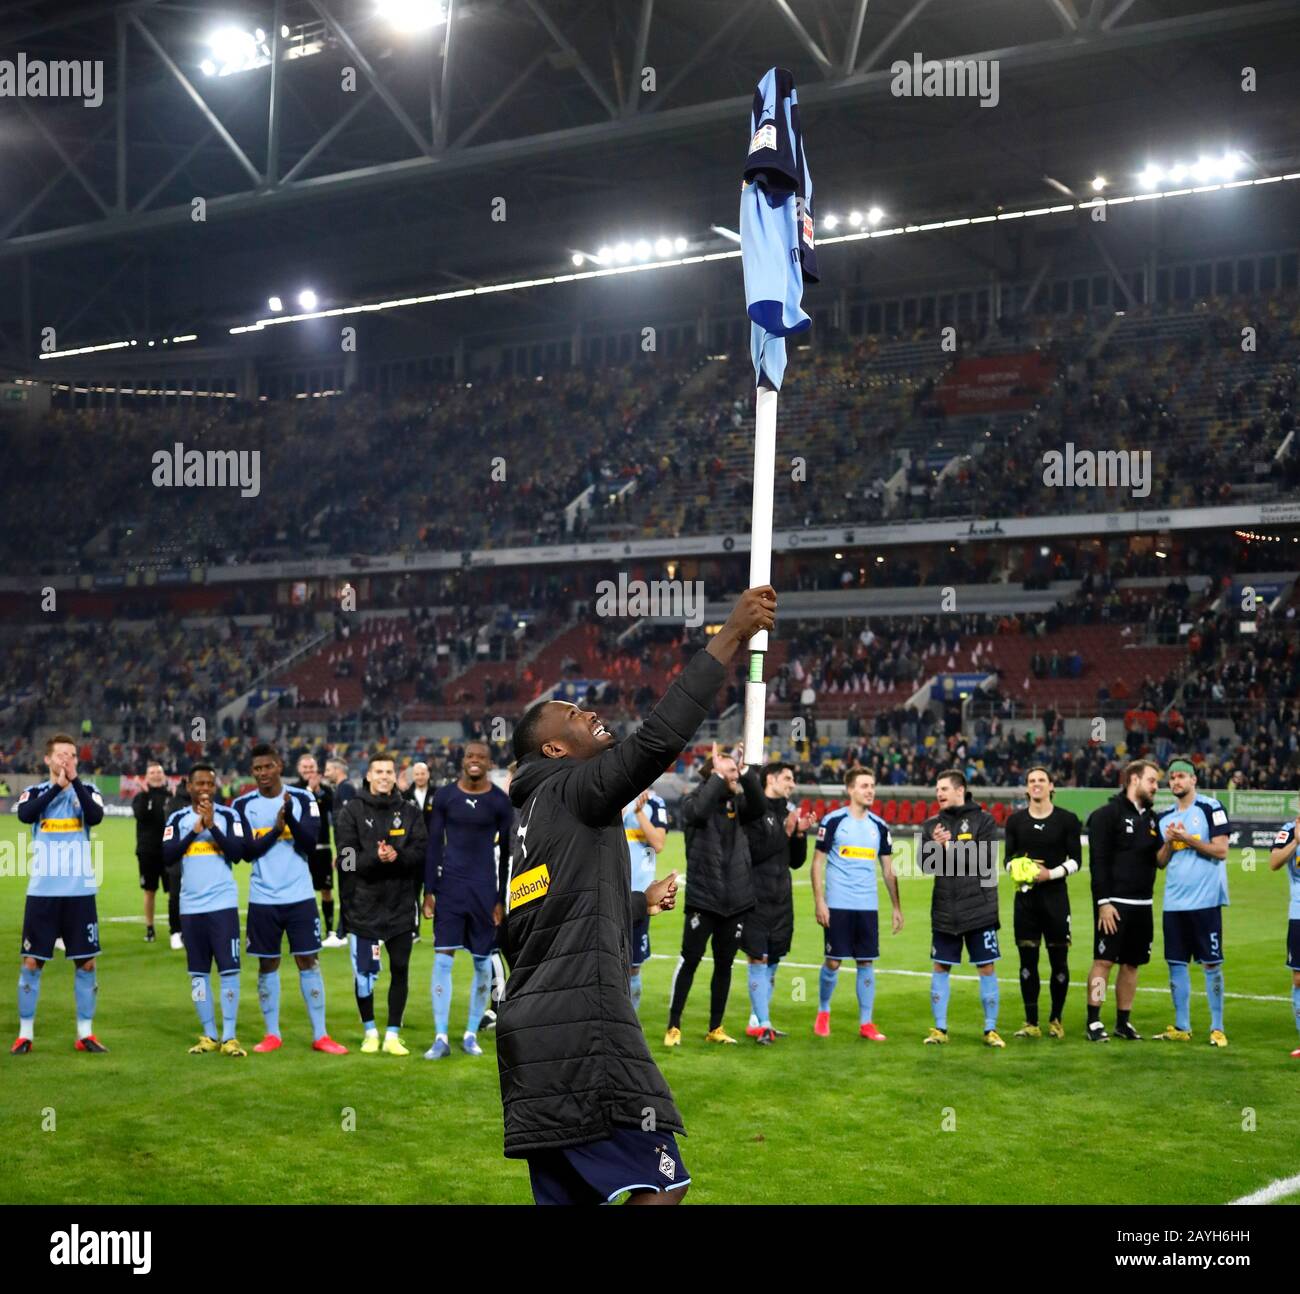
(760, 565)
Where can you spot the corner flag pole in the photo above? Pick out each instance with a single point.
(777, 256)
(760, 564)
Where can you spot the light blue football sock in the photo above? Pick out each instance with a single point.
(826, 981)
(989, 1000)
(760, 994)
(634, 987)
(85, 988)
(268, 998)
(201, 996)
(229, 1005)
(1214, 991)
(771, 973)
(1180, 989)
(392, 1028)
(440, 988)
(29, 994)
(478, 993)
(940, 991)
(312, 984)
(866, 993)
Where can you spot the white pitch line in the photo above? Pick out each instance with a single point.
(890, 970)
(1277, 1190)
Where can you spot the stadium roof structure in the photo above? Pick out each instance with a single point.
(339, 150)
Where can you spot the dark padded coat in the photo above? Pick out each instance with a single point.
(573, 1059)
(964, 898)
(375, 896)
(719, 873)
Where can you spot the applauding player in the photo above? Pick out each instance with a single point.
(206, 839)
(280, 833)
(61, 890)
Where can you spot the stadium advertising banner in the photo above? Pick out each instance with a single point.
(994, 383)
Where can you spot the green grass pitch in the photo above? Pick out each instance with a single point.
(810, 1120)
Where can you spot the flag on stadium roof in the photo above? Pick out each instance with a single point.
(776, 225)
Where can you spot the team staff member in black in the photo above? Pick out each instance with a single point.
(584, 1102)
(321, 861)
(778, 844)
(381, 841)
(1051, 837)
(150, 809)
(719, 876)
(420, 793)
(179, 799)
(1122, 846)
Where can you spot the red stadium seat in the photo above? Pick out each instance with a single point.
(890, 811)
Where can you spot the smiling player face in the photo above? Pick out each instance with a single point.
(574, 732)
(381, 776)
(477, 761)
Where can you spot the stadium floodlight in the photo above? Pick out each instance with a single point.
(855, 219)
(1176, 173)
(284, 31)
(679, 244)
(642, 249)
(412, 15)
(830, 222)
(604, 255)
(1098, 183)
(623, 253)
(875, 216)
(663, 247)
(307, 299)
(232, 49)
(208, 67)
(274, 304)
(1150, 176)
(1204, 170)
(1229, 164)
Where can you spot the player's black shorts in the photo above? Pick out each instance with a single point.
(1130, 945)
(1196, 935)
(209, 937)
(627, 1160)
(769, 928)
(1293, 943)
(1042, 915)
(641, 941)
(462, 920)
(981, 947)
(74, 919)
(321, 866)
(151, 871)
(853, 934)
(268, 922)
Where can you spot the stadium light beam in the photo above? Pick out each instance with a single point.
(307, 299)
(412, 15)
(274, 304)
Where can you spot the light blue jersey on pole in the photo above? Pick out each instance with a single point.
(280, 875)
(62, 864)
(207, 877)
(1193, 881)
(853, 849)
(776, 225)
(1285, 834)
(642, 852)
